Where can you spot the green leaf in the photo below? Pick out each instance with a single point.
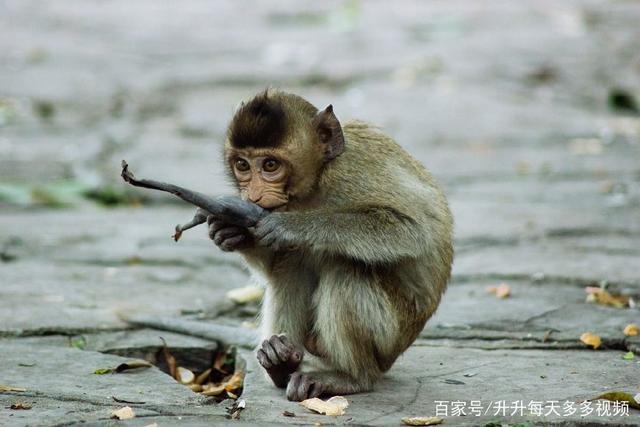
(628, 355)
(102, 371)
(78, 342)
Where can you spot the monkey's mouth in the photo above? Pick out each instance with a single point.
(271, 201)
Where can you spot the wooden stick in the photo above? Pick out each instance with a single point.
(231, 209)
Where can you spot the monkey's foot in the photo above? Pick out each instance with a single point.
(302, 386)
(279, 357)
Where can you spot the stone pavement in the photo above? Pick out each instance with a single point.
(526, 111)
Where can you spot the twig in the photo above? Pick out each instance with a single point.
(230, 335)
(199, 218)
(230, 209)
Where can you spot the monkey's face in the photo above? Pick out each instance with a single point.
(277, 145)
(262, 178)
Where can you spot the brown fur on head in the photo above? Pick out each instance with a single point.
(277, 144)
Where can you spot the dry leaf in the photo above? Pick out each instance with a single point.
(603, 297)
(170, 360)
(288, 414)
(124, 413)
(200, 379)
(152, 425)
(334, 406)
(631, 330)
(591, 339)
(133, 364)
(185, 375)
(422, 421)
(235, 382)
(11, 388)
(20, 406)
(501, 291)
(196, 388)
(213, 390)
(620, 396)
(246, 294)
(221, 359)
(585, 146)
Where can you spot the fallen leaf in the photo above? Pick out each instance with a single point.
(631, 330)
(585, 146)
(246, 294)
(455, 382)
(620, 396)
(221, 360)
(133, 364)
(170, 360)
(152, 425)
(11, 388)
(197, 388)
(473, 374)
(103, 371)
(333, 407)
(501, 291)
(213, 390)
(591, 339)
(200, 379)
(288, 414)
(20, 406)
(601, 296)
(628, 355)
(78, 342)
(124, 413)
(185, 375)
(421, 421)
(235, 382)
(27, 365)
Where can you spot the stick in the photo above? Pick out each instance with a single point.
(231, 209)
(230, 335)
(199, 218)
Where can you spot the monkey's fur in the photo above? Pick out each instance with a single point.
(357, 259)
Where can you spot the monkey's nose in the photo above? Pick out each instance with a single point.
(254, 197)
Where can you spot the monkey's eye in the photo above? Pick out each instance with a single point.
(242, 165)
(270, 165)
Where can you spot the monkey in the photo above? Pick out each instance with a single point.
(354, 246)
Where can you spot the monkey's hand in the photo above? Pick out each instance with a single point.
(280, 358)
(270, 232)
(228, 237)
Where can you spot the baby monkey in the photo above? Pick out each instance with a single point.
(355, 246)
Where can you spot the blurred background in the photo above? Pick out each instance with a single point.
(527, 112)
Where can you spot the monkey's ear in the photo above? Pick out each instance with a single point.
(329, 132)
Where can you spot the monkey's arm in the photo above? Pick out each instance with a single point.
(367, 233)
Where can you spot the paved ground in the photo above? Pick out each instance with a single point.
(524, 111)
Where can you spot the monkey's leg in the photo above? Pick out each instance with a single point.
(358, 332)
(285, 318)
